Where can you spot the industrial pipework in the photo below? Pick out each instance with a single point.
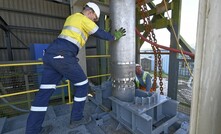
(123, 50)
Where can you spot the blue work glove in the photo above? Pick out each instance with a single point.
(119, 33)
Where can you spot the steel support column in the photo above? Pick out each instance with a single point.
(173, 63)
(101, 50)
(123, 50)
(8, 45)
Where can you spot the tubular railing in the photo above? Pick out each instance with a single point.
(27, 91)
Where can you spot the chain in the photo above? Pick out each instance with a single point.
(160, 71)
(157, 57)
(159, 64)
(155, 62)
(144, 11)
(154, 85)
(148, 29)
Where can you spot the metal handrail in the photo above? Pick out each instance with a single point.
(29, 91)
(34, 62)
(20, 63)
(98, 56)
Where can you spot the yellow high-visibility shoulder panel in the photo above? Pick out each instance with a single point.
(77, 28)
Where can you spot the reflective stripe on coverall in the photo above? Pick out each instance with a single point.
(59, 62)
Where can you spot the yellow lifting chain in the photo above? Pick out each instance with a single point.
(142, 6)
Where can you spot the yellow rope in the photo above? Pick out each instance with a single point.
(171, 23)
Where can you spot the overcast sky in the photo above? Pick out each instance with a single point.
(188, 27)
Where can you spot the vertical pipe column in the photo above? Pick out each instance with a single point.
(123, 50)
(206, 102)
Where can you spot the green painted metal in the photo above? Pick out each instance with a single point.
(173, 61)
(101, 50)
(161, 23)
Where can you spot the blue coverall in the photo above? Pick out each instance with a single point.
(60, 61)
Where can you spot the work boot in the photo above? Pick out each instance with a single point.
(46, 130)
(83, 121)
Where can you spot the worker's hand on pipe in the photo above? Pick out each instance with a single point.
(119, 33)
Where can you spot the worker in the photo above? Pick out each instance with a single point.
(60, 61)
(143, 79)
